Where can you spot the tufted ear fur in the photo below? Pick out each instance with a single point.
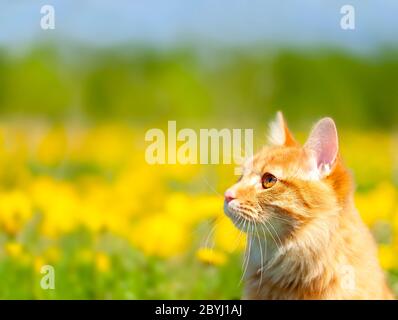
(324, 146)
(279, 133)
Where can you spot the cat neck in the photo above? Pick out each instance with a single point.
(300, 260)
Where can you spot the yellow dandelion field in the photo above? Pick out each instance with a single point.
(122, 228)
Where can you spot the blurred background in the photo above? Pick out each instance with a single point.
(77, 100)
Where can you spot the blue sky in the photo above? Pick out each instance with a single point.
(205, 22)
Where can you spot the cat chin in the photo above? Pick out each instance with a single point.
(240, 222)
(236, 218)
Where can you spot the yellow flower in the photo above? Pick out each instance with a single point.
(14, 249)
(38, 263)
(205, 207)
(115, 145)
(53, 146)
(179, 207)
(395, 221)
(227, 236)
(15, 210)
(378, 204)
(52, 254)
(102, 262)
(181, 172)
(58, 202)
(387, 257)
(210, 256)
(160, 236)
(377, 167)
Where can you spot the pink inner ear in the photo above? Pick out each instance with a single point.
(328, 153)
(324, 142)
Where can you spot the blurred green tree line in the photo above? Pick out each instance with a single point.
(142, 85)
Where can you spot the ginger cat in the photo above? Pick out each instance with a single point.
(305, 238)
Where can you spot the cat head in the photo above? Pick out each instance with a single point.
(286, 185)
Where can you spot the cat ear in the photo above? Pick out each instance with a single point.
(323, 144)
(279, 133)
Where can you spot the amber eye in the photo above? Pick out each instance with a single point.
(268, 180)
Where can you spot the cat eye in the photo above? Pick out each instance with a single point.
(268, 180)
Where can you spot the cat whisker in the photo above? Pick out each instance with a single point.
(261, 269)
(247, 243)
(240, 222)
(270, 213)
(273, 216)
(206, 245)
(245, 221)
(272, 260)
(269, 231)
(261, 259)
(211, 187)
(276, 233)
(248, 253)
(263, 221)
(246, 212)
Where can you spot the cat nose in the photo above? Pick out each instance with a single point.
(229, 195)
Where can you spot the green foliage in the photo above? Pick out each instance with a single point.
(148, 86)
